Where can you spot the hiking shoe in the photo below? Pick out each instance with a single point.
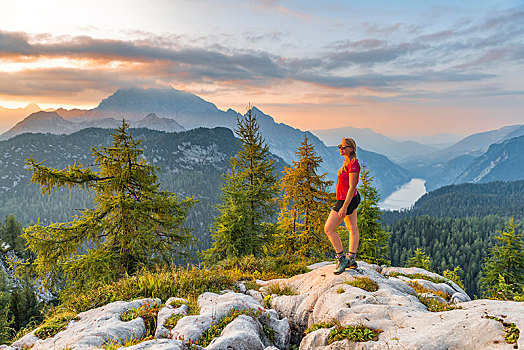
(342, 263)
(352, 262)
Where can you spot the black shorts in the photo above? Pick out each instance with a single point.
(355, 201)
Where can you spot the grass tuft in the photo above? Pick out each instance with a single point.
(317, 326)
(215, 330)
(280, 289)
(419, 276)
(54, 325)
(356, 333)
(435, 305)
(364, 283)
(172, 320)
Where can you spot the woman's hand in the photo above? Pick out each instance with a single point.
(342, 212)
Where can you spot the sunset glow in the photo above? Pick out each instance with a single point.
(399, 68)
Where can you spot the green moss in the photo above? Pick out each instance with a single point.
(364, 283)
(317, 326)
(54, 325)
(116, 345)
(356, 333)
(340, 290)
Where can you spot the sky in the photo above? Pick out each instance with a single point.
(400, 68)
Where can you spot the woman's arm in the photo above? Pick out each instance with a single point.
(353, 180)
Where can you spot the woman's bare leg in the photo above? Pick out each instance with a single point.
(330, 228)
(351, 224)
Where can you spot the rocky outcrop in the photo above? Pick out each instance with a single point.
(100, 327)
(394, 309)
(395, 302)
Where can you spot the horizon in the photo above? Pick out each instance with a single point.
(402, 69)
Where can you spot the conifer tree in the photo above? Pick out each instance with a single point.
(304, 206)
(503, 270)
(247, 199)
(373, 244)
(11, 232)
(133, 223)
(420, 259)
(5, 317)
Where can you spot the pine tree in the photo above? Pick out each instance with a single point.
(247, 199)
(304, 206)
(420, 259)
(503, 270)
(133, 223)
(373, 245)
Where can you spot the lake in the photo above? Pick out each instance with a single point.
(405, 196)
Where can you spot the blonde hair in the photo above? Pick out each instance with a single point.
(351, 143)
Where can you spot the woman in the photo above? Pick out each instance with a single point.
(344, 209)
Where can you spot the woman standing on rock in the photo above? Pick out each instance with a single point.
(347, 201)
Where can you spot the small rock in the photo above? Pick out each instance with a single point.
(158, 344)
(166, 312)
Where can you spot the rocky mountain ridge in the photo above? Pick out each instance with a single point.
(190, 111)
(397, 304)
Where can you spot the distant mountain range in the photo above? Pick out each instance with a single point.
(174, 110)
(375, 142)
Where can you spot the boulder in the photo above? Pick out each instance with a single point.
(166, 312)
(158, 344)
(97, 327)
(243, 332)
(395, 310)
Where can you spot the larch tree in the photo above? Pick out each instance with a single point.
(248, 197)
(374, 240)
(304, 206)
(133, 223)
(503, 270)
(420, 259)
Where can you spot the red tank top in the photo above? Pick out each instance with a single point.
(343, 179)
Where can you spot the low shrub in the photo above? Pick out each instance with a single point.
(421, 289)
(511, 329)
(364, 283)
(148, 312)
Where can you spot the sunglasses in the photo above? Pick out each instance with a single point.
(342, 147)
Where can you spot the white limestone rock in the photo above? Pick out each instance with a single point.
(26, 341)
(97, 327)
(243, 332)
(158, 344)
(166, 312)
(395, 309)
(213, 307)
(256, 295)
